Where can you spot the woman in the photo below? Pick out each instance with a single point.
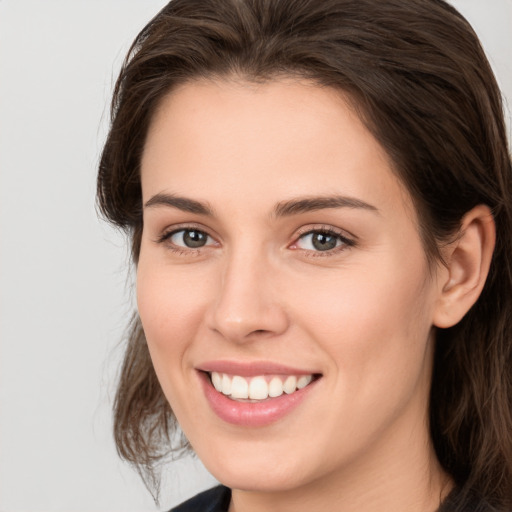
(318, 196)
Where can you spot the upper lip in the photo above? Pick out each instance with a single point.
(251, 368)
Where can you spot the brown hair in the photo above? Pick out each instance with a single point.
(419, 78)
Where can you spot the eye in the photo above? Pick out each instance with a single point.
(321, 241)
(188, 238)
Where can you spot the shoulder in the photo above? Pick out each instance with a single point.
(213, 500)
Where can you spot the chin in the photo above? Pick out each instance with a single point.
(257, 479)
(263, 470)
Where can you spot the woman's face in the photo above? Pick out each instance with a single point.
(279, 252)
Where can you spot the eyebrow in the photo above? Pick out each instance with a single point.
(310, 204)
(282, 209)
(181, 203)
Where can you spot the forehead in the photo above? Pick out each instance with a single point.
(279, 139)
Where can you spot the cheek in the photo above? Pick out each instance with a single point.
(171, 304)
(365, 299)
(374, 322)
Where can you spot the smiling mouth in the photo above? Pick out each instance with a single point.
(259, 388)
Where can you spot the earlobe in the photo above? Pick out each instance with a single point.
(468, 260)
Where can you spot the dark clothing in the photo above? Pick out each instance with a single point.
(218, 498)
(212, 500)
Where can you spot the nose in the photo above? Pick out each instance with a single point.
(247, 305)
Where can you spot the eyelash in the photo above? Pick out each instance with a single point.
(324, 230)
(165, 238)
(346, 242)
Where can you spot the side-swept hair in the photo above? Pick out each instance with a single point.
(417, 75)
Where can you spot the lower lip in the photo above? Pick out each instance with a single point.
(252, 414)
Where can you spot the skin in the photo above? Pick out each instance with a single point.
(362, 314)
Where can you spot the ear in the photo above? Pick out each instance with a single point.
(467, 265)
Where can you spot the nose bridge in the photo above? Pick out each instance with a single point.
(247, 303)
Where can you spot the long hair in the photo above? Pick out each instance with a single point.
(420, 81)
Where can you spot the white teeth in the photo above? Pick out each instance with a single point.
(275, 387)
(226, 385)
(303, 381)
(290, 385)
(257, 388)
(239, 387)
(217, 381)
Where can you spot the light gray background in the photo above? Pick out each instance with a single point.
(65, 293)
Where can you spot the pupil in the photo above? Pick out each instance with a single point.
(194, 239)
(323, 242)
